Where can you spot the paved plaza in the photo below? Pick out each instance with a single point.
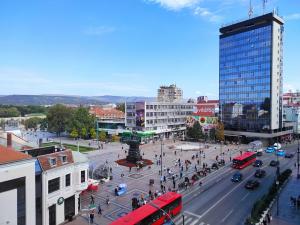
(138, 180)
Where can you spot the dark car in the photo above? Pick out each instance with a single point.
(214, 166)
(289, 155)
(252, 184)
(260, 173)
(259, 153)
(257, 163)
(237, 177)
(274, 163)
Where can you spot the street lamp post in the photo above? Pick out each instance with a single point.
(161, 155)
(298, 158)
(97, 132)
(277, 204)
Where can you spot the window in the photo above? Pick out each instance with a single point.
(68, 180)
(53, 185)
(82, 176)
(52, 161)
(64, 159)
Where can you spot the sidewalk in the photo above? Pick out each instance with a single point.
(288, 214)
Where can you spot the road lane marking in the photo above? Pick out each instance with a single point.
(192, 214)
(188, 220)
(228, 214)
(245, 197)
(194, 222)
(228, 193)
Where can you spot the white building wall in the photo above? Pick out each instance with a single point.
(276, 76)
(8, 200)
(74, 189)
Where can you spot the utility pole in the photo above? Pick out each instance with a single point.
(97, 132)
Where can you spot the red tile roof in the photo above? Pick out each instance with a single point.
(8, 155)
(45, 159)
(110, 112)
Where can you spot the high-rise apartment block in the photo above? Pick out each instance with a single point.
(250, 77)
(169, 94)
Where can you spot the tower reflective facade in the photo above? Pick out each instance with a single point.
(250, 74)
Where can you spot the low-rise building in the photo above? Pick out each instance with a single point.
(17, 188)
(164, 118)
(291, 114)
(109, 119)
(63, 179)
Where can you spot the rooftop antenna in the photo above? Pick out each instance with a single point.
(250, 12)
(264, 5)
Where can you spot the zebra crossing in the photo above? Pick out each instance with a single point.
(189, 219)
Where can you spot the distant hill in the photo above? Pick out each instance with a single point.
(67, 99)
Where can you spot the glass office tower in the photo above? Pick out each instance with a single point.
(250, 75)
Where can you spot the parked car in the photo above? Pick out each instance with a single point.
(237, 177)
(121, 189)
(289, 155)
(252, 184)
(280, 152)
(274, 163)
(260, 173)
(257, 163)
(270, 150)
(277, 146)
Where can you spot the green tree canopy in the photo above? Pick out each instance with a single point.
(93, 133)
(82, 121)
(74, 133)
(9, 112)
(32, 123)
(58, 118)
(121, 107)
(195, 132)
(220, 131)
(102, 135)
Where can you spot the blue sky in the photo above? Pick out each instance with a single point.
(125, 47)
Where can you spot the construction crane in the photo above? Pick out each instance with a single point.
(250, 12)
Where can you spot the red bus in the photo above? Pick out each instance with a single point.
(243, 160)
(153, 212)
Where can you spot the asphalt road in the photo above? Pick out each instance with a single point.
(220, 201)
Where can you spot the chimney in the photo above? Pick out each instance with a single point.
(9, 140)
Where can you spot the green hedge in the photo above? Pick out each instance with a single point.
(261, 205)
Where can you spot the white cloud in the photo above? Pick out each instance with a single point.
(295, 16)
(99, 30)
(175, 4)
(207, 14)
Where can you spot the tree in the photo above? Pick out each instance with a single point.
(81, 118)
(195, 132)
(102, 135)
(212, 134)
(6, 111)
(115, 138)
(220, 131)
(121, 107)
(32, 123)
(2, 124)
(83, 132)
(74, 133)
(93, 133)
(44, 124)
(58, 118)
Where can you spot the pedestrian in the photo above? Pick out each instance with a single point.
(264, 222)
(268, 218)
(110, 169)
(92, 202)
(107, 200)
(92, 217)
(99, 209)
(174, 184)
(180, 174)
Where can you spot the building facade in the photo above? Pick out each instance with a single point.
(250, 77)
(291, 114)
(63, 179)
(169, 94)
(164, 118)
(291, 99)
(17, 188)
(109, 119)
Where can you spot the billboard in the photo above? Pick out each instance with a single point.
(140, 114)
(205, 110)
(207, 122)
